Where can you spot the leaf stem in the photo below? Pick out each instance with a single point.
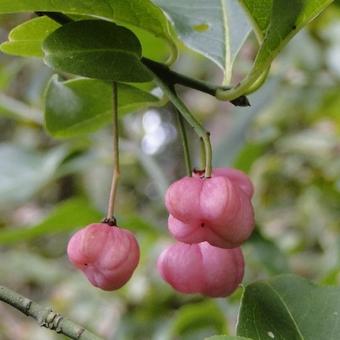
(193, 122)
(45, 316)
(115, 144)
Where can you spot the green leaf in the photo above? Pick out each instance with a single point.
(226, 337)
(217, 28)
(96, 49)
(139, 13)
(204, 317)
(287, 18)
(81, 106)
(62, 218)
(25, 40)
(260, 14)
(23, 172)
(289, 307)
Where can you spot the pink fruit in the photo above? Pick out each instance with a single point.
(216, 209)
(202, 268)
(107, 255)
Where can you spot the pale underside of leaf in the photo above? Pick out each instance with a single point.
(216, 29)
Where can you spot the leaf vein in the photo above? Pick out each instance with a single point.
(286, 307)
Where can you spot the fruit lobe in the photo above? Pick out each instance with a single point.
(107, 255)
(202, 268)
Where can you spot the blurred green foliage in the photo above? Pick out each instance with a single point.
(288, 142)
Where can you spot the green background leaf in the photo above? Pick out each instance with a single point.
(25, 40)
(96, 49)
(23, 172)
(68, 215)
(198, 320)
(139, 13)
(81, 106)
(289, 307)
(216, 29)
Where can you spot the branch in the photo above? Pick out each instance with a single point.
(172, 78)
(45, 316)
(60, 18)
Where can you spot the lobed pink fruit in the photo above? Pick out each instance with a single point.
(202, 268)
(107, 255)
(216, 209)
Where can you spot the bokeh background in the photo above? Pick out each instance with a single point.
(288, 142)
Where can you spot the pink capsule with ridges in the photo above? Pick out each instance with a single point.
(216, 209)
(107, 255)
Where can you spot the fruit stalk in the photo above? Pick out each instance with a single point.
(184, 138)
(193, 122)
(115, 144)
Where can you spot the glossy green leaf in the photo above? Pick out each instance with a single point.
(23, 172)
(289, 307)
(81, 106)
(287, 18)
(217, 28)
(62, 218)
(139, 13)
(25, 40)
(200, 319)
(96, 49)
(260, 14)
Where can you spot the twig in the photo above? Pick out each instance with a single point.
(173, 78)
(45, 316)
(193, 122)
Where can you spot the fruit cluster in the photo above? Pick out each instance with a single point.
(210, 218)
